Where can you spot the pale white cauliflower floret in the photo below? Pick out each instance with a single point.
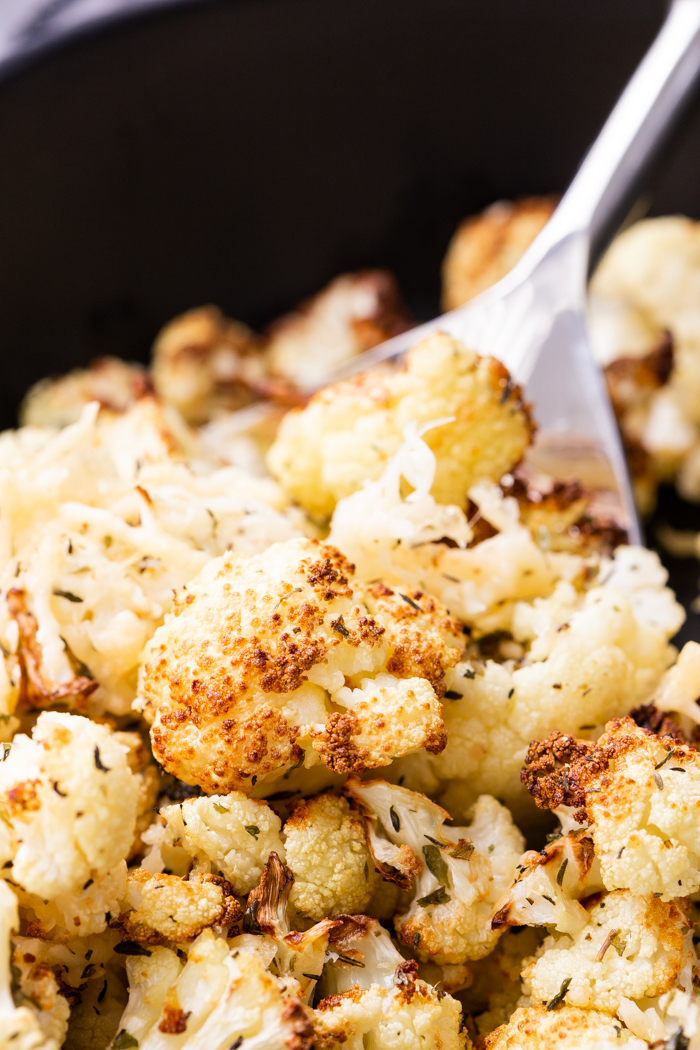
(460, 871)
(348, 432)
(632, 946)
(215, 997)
(241, 676)
(71, 799)
(82, 912)
(231, 833)
(374, 1001)
(33, 1015)
(327, 852)
(590, 656)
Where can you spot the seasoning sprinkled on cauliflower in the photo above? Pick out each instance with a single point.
(256, 650)
(374, 1000)
(542, 1028)
(631, 946)
(218, 996)
(168, 908)
(549, 884)
(348, 432)
(460, 872)
(71, 799)
(231, 834)
(639, 793)
(327, 851)
(81, 913)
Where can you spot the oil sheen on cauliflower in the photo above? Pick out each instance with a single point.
(348, 432)
(631, 946)
(71, 798)
(327, 851)
(639, 793)
(214, 997)
(459, 872)
(245, 670)
(373, 999)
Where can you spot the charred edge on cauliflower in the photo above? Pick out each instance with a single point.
(34, 691)
(266, 911)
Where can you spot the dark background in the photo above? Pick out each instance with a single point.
(244, 152)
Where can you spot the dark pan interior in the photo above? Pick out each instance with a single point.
(243, 152)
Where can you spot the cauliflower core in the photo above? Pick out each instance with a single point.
(286, 648)
(640, 794)
(348, 432)
(460, 872)
(71, 799)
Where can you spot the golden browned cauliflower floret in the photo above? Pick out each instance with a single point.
(352, 314)
(460, 872)
(373, 999)
(71, 799)
(633, 947)
(209, 1001)
(240, 679)
(486, 246)
(203, 363)
(112, 382)
(327, 852)
(348, 432)
(545, 1028)
(640, 795)
(231, 834)
(165, 907)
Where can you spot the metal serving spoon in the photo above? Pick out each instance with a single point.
(533, 320)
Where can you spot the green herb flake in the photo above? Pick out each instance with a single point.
(395, 822)
(560, 996)
(68, 595)
(436, 864)
(561, 872)
(463, 850)
(253, 830)
(219, 808)
(124, 1041)
(439, 896)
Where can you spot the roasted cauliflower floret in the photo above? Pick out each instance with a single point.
(33, 1014)
(112, 382)
(486, 246)
(348, 432)
(245, 669)
(80, 913)
(542, 1028)
(218, 996)
(231, 833)
(326, 846)
(373, 999)
(549, 884)
(632, 946)
(638, 792)
(460, 872)
(352, 314)
(203, 363)
(165, 907)
(71, 799)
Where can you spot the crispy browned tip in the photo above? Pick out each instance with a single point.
(631, 379)
(299, 1029)
(267, 903)
(658, 722)
(554, 773)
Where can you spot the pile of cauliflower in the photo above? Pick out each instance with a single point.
(284, 706)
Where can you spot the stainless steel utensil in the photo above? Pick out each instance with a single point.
(534, 318)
